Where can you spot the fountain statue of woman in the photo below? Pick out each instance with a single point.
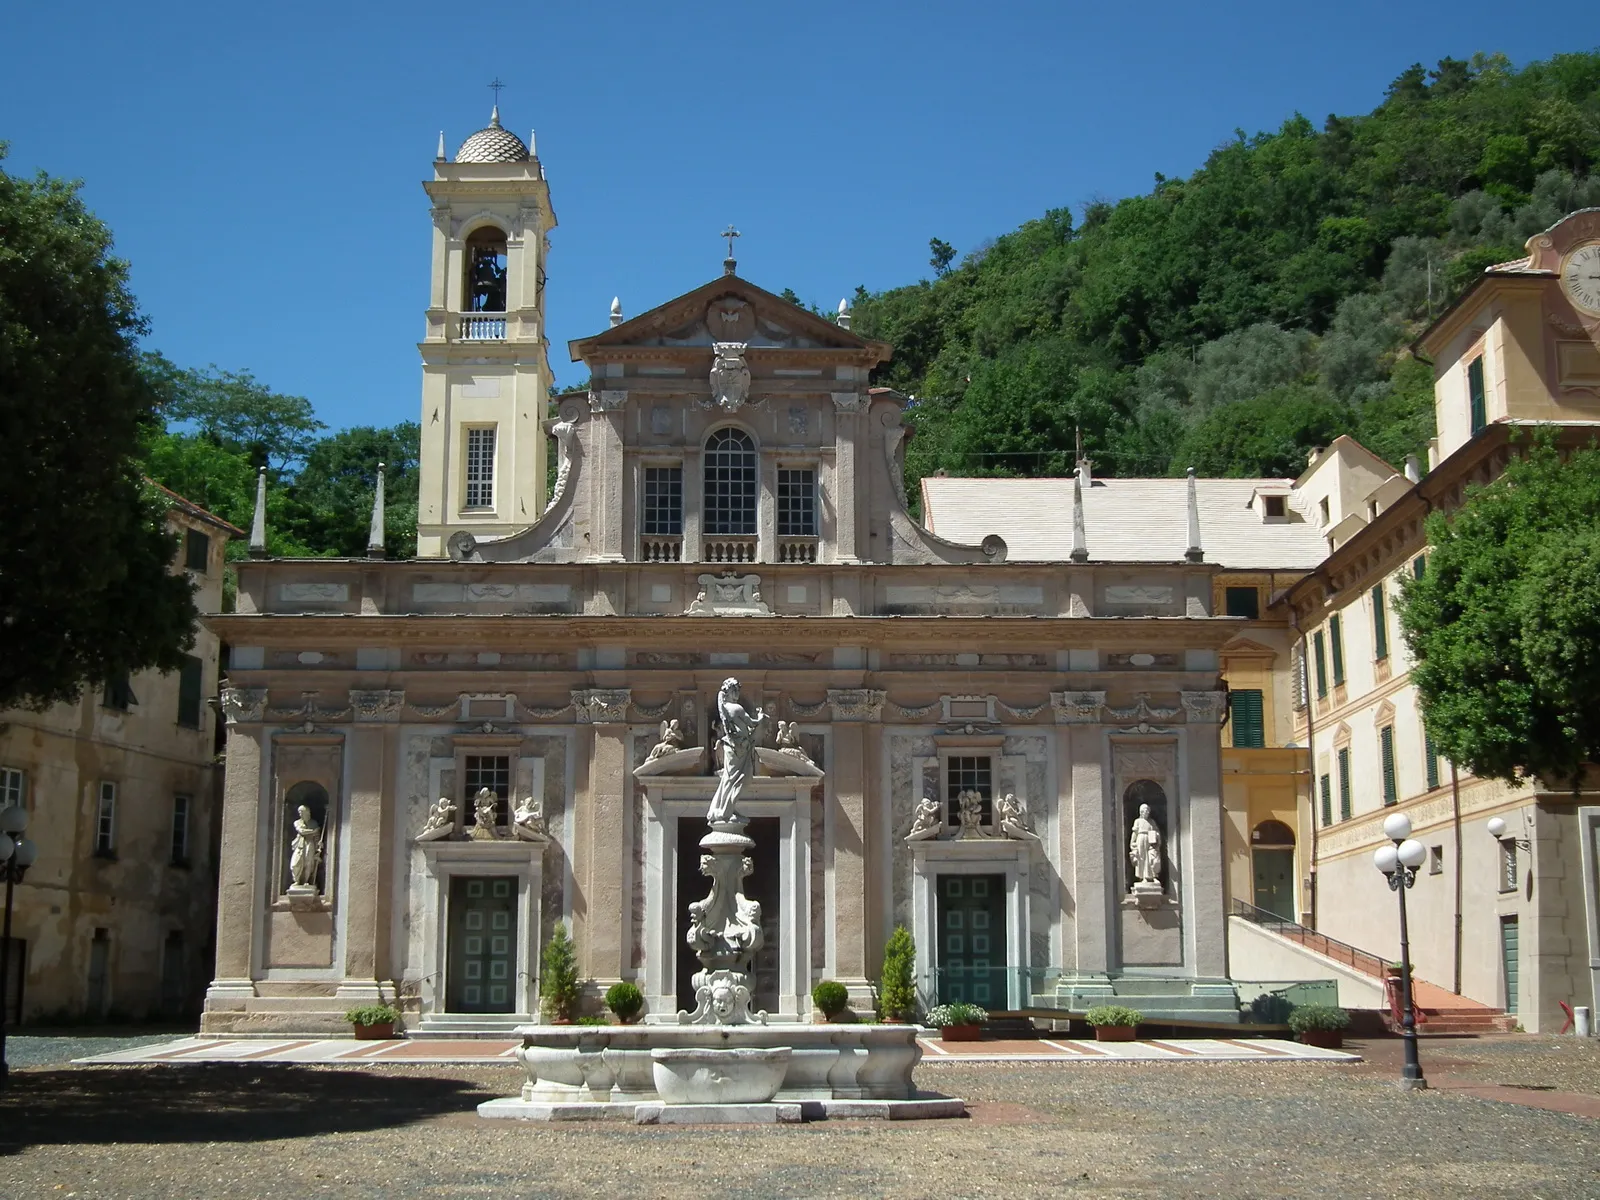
(738, 741)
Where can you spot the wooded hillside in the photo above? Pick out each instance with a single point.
(1264, 305)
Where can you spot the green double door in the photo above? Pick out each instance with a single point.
(972, 939)
(1274, 892)
(482, 968)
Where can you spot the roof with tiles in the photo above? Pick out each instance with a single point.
(493, 144)
(1125, 520)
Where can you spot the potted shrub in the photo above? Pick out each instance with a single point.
(830, 996)
(625, 1000)
(559, 990)
(897, 996)
(958, 1022)
(373, 1021)
(1114, 1022)
(1320, 1025)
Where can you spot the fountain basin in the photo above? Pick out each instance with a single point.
(698, 1076)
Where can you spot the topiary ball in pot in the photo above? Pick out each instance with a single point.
(830, 996)
(625, 1000)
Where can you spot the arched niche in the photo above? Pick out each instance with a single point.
(1137, 793)
(1272, 834)
(313, 797)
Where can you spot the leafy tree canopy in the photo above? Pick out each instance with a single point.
(85, 590)
(1506, 617)
(1293, 267)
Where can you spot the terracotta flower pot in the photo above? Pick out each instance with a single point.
(1115, 1033)
(960, 1033)
(382, 1031)
(1327, 1039)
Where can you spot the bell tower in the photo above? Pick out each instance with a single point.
(485, 361)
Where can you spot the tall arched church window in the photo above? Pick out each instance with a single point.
(730, 483)
(484, 288)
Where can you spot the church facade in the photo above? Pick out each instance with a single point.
(1014, 752)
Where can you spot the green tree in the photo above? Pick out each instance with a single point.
(332, 492)
(237, 411)
(560, 990)
(897, 992)
(942, 253)
(86, 593)
(1504, 621)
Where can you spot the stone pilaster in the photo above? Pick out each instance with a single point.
(855, 713)
(1083, 821)
(601, 875)
(237, 860)
(847, 424)
(371, 750)
(1206, 922)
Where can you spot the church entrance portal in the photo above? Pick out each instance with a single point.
(761, 885)
(972, 939)
(482, 959)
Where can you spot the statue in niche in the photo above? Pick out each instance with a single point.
(969, 807)
(737, 741)
(305, 852)
(789, 742)
(1144, 849)
(928, 820)
(1012, 816)
(441, 822)
(671, 740)
(483, 808)
(527, 820)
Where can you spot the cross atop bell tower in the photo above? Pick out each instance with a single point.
(485, 365)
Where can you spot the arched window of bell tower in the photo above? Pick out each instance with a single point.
(484, 286)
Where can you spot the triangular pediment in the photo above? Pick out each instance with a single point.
(728, 309)
(1243, 647)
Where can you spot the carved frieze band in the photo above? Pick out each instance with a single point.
(1077, 708)
(607, 400)
(244, 706)
(376, 705)
(856, 704)
(602, 706)
(1204, 707)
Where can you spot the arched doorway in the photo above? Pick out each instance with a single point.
(1272, 857)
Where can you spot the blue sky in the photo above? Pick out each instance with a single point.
(260, 165)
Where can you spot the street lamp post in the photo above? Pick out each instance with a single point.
(16, 856)
(1399, 862)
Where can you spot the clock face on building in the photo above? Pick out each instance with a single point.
(1580, 278)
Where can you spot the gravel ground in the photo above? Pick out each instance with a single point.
(1094, 1129)
(53, 1050)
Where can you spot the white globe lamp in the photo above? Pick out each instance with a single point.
(1397, 827)
(1386, 859)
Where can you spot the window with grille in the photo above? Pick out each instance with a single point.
(1336, 644)
(105, 823)
(730, 483)
(1391, 787)
(1326, 784)
(965, 773)
(180, 831)
(1476, 394)
(196, 550)
(189, 689)
(13, 787)
(1320, 654)
(1249, 729)
(1508, 865)
(663, 501)
(1430, 758)
(1380, 625)
(797, 502)
(480, 467)
(1345, 810)
(1242, 602)
(492, 771)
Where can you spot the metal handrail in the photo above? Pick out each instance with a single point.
(1341, 952)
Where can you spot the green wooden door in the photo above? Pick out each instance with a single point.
(1274, 882)
(483, 946)
(972, 939)
(1508, 956)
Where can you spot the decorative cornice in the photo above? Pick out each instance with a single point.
(856, 704)
(1204, 707)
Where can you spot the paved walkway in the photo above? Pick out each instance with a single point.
(474, 1050)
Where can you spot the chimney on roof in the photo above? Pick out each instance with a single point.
(1413, 469)
(258, 524)
(375, 530)
(1194, 553)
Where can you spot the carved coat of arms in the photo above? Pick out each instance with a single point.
(730, 377)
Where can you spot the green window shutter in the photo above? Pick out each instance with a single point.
(1336, 641)
(1249, 730)
(189, 679)
(1327, 800)
(1322, 665)
(1380, 624)
(1391, 791)
(1345, 811)
(1419, 566)
(1480, 408)
(1430, 754)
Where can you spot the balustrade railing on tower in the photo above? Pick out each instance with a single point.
(476, 327)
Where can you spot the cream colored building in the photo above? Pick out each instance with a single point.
(1509, 922)
(116, 916)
